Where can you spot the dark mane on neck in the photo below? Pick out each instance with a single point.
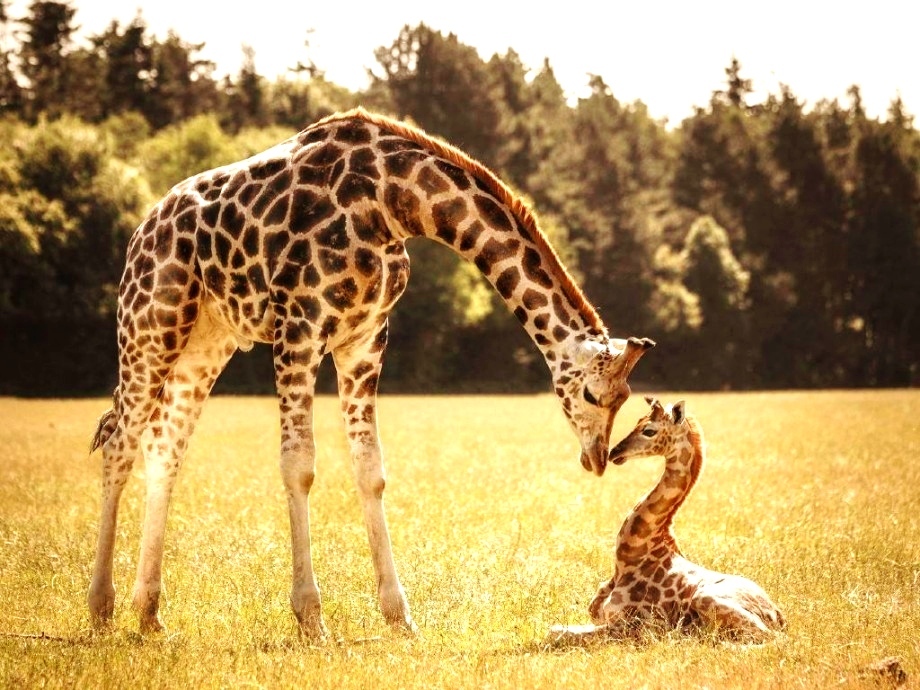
(497, 188)
(698, 445)
(695, 434)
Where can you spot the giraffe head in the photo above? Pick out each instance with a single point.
(654, 434)
(594, 389)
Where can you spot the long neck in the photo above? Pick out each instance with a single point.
(436, 191)
(526, 272)
(649, 525)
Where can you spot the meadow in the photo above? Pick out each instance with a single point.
(498, 534)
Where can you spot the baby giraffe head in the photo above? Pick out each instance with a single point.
(654, 434)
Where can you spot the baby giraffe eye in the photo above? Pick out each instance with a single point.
(649, 432)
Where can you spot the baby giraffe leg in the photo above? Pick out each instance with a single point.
(730, 619)
(583, 635)
(595, 607)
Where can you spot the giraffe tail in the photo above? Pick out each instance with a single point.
(104, 428)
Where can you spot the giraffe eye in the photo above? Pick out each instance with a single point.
(590, 398)
(649, 432)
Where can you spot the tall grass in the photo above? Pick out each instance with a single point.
(498, 534)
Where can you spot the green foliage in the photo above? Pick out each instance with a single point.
(83, 204)
(127, 56)
(68, 208)
(427, 74)
(248, 96)
(48, 29)
(712, 272)
(126, 132)
(676, 309)
(251, 140)
(295, 103)
(762, 245)
(600, 182)
(183, 85)
(884, 251)
(179, 151)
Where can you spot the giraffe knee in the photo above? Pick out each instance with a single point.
(372, 483)
(369, 474)
(298, 471)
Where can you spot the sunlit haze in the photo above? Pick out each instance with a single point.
(671, 55)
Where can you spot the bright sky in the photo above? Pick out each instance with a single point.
(670, 54)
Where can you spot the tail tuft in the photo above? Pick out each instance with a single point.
(103, 430)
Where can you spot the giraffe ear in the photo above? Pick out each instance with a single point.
(677, 412)
(650, 400)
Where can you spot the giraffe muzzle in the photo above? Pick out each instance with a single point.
(617, 455)
(594, 459)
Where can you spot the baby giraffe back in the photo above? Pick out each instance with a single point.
(652, 580)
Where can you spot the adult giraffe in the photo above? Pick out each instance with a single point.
(302, 246)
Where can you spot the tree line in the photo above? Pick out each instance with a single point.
(766, 245)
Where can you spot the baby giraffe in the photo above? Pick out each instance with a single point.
(652, 582)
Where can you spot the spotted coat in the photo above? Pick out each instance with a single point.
(303, 246)
(653, 583)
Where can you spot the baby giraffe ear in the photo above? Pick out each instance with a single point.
(677, 412)
(649, 399)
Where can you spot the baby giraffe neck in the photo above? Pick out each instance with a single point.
(649, 525)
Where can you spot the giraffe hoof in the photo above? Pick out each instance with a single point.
(407, 628)
(101, 623)
(313, 630)
(101, 608)
(317, 638)
(151, 626)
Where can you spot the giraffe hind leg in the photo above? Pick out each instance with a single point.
(118, 435)
(603, 592)
(151, 334)
(203, 358)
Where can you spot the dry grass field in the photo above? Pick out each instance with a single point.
(498, 534)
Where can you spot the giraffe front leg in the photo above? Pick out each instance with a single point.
(297, 472)
(358, 374)
(367, 462)
(295, 373)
